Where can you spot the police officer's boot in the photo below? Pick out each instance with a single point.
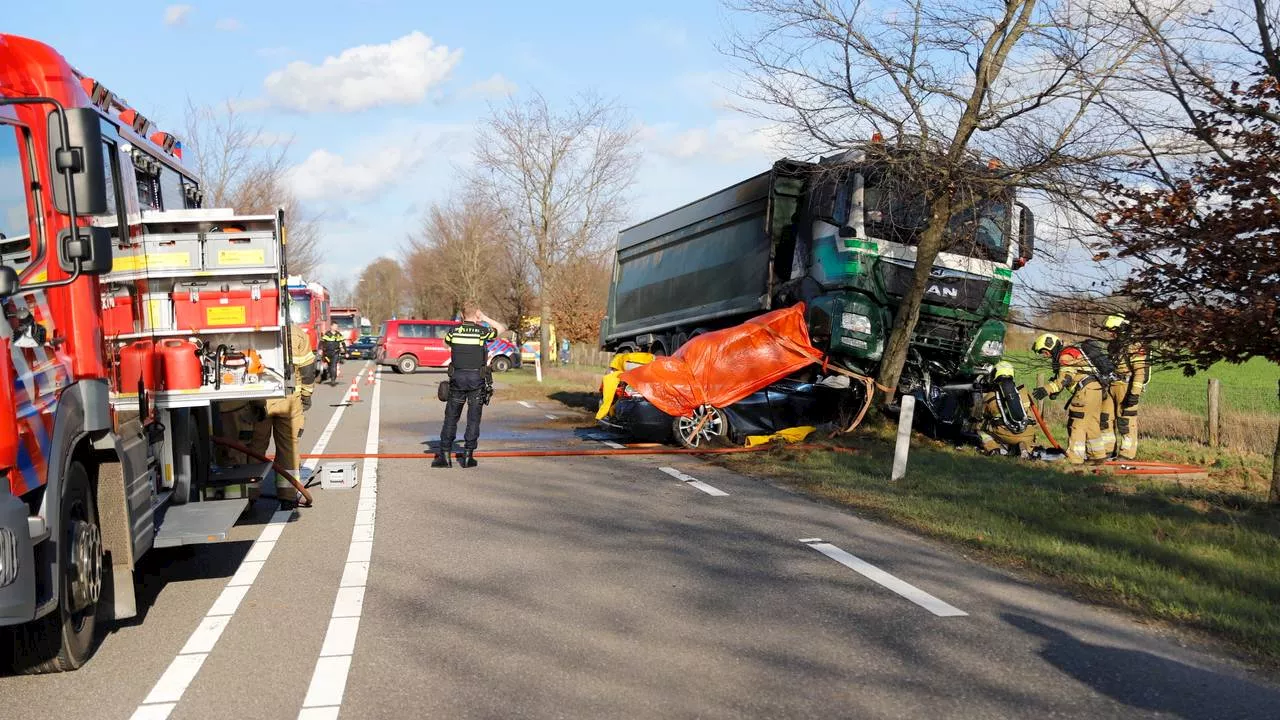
(442, 459)
(466, 460)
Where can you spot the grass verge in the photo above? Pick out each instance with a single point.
(1198, 557)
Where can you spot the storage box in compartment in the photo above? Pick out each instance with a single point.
(209, 305)
(117, 311)
(159, 252)
(227, 250)
(157, 311)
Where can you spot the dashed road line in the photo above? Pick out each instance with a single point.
(525, 403)
(875, 574)
(695, 482)
(614, 445)
(175, 680)
(551, 417)
(329, 680)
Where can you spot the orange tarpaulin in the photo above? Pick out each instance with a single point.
(722, 367)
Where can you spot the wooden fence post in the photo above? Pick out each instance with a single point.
(1214, 391)
(1275, 463)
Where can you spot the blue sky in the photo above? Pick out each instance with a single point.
(375, 141)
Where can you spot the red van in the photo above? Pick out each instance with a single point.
(406, 345)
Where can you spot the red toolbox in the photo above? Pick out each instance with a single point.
(117, 311)
(212, 304)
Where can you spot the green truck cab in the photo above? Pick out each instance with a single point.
(840, 236)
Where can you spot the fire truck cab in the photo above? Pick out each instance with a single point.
(124, 305)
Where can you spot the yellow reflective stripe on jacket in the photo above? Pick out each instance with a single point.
(463, 335)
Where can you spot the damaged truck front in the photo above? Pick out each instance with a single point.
(839, 235)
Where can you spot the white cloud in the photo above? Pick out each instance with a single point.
(728, 139)
(672, 35)
(229, 24)
(400, 72)
(494, 86)
(380, 162)
(177, 14)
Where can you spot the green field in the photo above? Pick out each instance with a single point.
(1248, 387)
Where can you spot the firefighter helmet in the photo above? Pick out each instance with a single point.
(1047, 342)
(1115, 322)
(1003, 369)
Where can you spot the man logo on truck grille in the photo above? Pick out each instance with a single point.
(940, 291)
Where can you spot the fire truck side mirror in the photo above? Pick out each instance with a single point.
(91, 246)
(8, 281)
(1026, 233)
(78, 157)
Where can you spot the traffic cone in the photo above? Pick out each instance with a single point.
(369, 379)
(353, 396)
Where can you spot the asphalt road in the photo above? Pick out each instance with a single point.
(602, 587)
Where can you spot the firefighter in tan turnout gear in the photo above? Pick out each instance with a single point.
(282, 418)
(1007, 425)
(1089, 433)
(1133, 372)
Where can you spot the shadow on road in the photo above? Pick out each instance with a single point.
(1145, 681)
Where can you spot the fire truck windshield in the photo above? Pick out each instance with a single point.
(344, 322)
(14, 230)
(299, 308)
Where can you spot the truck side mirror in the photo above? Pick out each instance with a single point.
(78, 157)
(8, 281)
(91, 246)
(1026, 234)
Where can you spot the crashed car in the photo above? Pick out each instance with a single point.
(792, 402)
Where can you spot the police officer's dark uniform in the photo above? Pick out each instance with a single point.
(333, 345)
(469, 383)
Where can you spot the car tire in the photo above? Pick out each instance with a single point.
(714, 431)
(406, 365)
(500, 363)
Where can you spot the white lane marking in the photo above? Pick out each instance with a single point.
(551, 417)
(168, 690)
(902, 587)
(614, 445)
(694, 482)
(176, 678)
(329, 680)
(526, 404)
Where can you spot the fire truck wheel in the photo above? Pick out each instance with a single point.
(65, 638)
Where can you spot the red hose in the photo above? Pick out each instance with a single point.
(282, 472)
(586, 452)
(1044, 426)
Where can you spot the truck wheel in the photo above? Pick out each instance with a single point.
(66, 638)
(500, 363)
(714, 430)
(406, 365)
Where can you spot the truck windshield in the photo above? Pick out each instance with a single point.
(344, 322)
(299, 308)
(15, 240)
(980, 230)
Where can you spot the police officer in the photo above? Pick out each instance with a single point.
(1005, 427)
(1087, 438)
(1133, 371)
(282, 418)
(470, 384)
(333, 345)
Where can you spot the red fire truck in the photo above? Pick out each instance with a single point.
(308, 308)
(347, 321)
(129, 311)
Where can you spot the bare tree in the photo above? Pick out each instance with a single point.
(463, 238)
(241, 166)
(380, 290)
(340, 291)
(560, 177)
(582, 293)
(949, 85)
